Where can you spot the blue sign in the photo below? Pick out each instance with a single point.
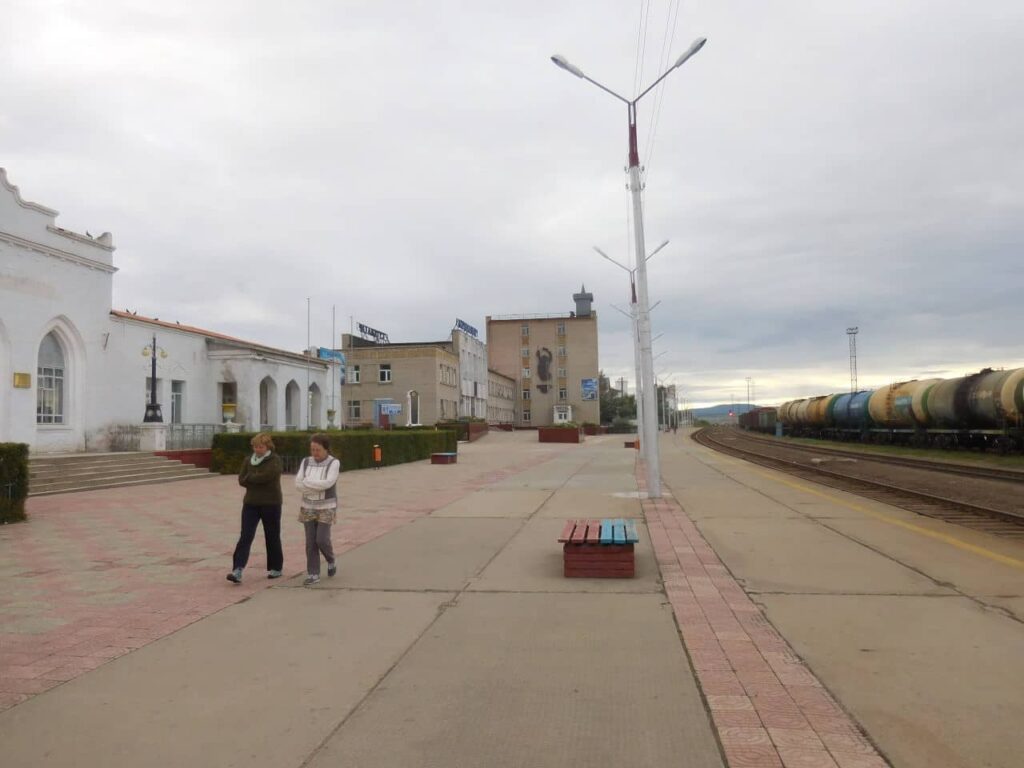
(462, 325)
(588, 389)
(331, 354)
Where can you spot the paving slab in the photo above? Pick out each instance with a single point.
(922, 672)
(532, 562)
(568, 503)
(432, 553)
(258, 685)
(787, 555)
(535, 680)
(495, 503)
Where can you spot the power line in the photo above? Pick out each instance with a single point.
(645, 17)
(659, 97)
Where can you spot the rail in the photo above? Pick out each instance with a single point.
(996, 521)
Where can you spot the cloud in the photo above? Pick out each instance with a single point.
(814, 167)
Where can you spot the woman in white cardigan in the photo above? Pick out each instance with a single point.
(317, 480)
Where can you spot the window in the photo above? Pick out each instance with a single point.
(353, 374)
(560, 328)
(563, 393)
(524, 352)
(384, 375)
(526, 394)
(561, 373)
(50, 384)
(526, 329)
(526, 415)
(526, 373)
(177, 401)
(355, 408)
(561, 351)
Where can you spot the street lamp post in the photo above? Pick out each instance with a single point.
(650, 431)
(634, 319)
(153, 412)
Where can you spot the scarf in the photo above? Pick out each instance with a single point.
(257, 460)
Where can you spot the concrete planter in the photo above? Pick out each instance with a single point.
(559, 435)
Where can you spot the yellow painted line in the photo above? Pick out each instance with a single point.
(953, 541)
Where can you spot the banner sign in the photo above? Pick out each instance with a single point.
(372, 333)
(588, 389)
(462, 325)
(331, 354)
(390, 409)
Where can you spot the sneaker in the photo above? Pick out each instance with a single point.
(332, 568)
(235, 576)
(310, 581)
(273, 574)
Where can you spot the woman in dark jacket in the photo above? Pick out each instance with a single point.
(261, 478)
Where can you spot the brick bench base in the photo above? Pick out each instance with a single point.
(598, 561)
(443, 458)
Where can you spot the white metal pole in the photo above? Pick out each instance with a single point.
(639, 383)
(309, 399)
(650, 415)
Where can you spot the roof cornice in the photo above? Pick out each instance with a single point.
(22, 201)
(57, 253)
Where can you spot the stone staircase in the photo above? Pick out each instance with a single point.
(88, 471)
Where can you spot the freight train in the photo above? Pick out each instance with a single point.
(983, 410)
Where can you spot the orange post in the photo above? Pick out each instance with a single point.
(378, 456)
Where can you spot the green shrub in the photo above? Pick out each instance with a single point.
(353, 448)
(13, 481)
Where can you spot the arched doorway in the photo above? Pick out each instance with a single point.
(268, 403)
(292, 404)
(315, 405)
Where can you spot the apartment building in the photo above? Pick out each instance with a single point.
(412, 383)
(553, 359)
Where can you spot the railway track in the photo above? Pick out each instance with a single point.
(990, 473)
(999, 522)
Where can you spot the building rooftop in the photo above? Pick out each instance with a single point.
(176, 326)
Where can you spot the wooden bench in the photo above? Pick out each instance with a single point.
(444, 458)
(599, 549)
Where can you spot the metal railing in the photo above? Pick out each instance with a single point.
(182, 437)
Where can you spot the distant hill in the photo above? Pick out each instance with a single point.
(723, 410)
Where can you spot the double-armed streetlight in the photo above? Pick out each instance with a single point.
(649, 433)
(634, 317)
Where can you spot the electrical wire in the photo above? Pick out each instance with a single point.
(659, 95)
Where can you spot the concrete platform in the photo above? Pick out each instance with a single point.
(910, 622)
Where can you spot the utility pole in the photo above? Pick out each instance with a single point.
(748, 394)
(852, 334)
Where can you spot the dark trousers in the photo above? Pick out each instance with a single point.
(270, 516)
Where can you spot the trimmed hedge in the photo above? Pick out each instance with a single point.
(13, 481)
(354, 448)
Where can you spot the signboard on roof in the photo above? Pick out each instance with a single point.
(465, 327)
(372, 333)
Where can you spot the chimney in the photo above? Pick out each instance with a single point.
(583, 301)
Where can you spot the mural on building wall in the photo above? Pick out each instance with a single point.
(543, 369)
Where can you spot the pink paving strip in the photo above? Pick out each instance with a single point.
(769, 709)
(95, 575)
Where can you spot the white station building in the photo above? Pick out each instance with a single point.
(75, 373)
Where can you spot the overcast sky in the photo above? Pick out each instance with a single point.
(817, 165)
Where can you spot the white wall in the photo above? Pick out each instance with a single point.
(53, 280)
(472, 370)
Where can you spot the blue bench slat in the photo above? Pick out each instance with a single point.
(619, 531)
(631, 535)
(607, 537)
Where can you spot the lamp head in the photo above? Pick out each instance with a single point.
(561, 62)
(694, 47)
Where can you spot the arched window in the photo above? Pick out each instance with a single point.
(50, 382)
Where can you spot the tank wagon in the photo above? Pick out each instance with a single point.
(983, 410)
(759, 420)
